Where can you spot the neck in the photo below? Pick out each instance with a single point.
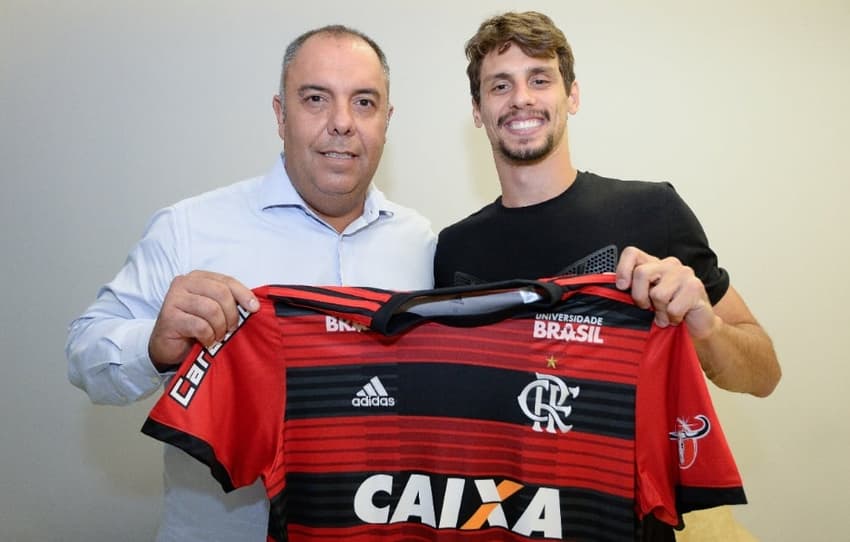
(338, 215)
(529, 183)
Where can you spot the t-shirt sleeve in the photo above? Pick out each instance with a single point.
(689, 243)
(224, 404)
(683, 459)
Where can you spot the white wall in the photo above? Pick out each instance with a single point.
(109, 110)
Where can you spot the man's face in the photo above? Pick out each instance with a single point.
(333, 122)
(524, 104)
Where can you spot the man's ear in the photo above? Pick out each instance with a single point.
(476, 114)
(573, 99)
(279, 111)
(390, 111)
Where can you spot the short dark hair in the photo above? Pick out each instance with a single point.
(336, 30)
(531, 31)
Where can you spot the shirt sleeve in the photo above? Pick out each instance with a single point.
(224, 405)
(689, 243)
(107, 346)
(683, 459)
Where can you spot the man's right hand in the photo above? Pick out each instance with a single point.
(199, 306)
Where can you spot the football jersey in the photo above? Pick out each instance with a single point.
(551, 409)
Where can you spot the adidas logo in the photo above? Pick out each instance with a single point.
(373, 394)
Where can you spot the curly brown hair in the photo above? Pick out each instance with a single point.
(531, 31)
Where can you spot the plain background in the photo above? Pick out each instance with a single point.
(110, 110)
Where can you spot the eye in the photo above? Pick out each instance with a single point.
(364, 103)
(539, 82)
(314, 99)
(500, 87)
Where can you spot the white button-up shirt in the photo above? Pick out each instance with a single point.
(260, 232)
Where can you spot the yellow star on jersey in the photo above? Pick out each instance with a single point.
(551, 363)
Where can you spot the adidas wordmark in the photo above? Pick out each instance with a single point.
(373, 394)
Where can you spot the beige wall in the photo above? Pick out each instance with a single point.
(109, 110)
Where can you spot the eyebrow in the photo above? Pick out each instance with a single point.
(536, 70)
(546, 70)
(319, 88)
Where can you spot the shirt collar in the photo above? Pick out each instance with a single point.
(276, 190)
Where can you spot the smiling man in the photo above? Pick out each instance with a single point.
(551, 215)
(315, 218)
(333, 129)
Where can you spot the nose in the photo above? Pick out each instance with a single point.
(522, 95)
(341, 122)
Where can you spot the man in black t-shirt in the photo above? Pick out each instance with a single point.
(549, 214)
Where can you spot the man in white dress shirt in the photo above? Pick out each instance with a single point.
(315, 218)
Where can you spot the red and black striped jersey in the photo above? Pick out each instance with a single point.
(551, 409)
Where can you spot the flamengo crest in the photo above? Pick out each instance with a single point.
(543, 402)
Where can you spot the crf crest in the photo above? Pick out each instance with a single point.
(688, 432)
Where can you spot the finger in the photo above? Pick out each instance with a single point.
(631, 260)
(689, 296)
(645, 278)
(202, 295)
(243, 295)
(625, 267)
(174, 332)
(199, 329)
(238, 291)
(660, 304)
(221, 289)
(203, 317)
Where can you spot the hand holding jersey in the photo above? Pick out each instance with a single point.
(734, 351)
(670, 288)
(199, 306)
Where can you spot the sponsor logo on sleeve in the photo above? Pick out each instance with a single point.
(687, 434)
(184, 387)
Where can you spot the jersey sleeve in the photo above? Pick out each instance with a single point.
(224, 404)
(683, 459)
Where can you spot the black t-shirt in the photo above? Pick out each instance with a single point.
(501, 243)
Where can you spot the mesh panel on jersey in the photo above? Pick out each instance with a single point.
(603, 260)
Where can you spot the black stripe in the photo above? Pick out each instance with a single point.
(327, 501)
(700, 498)
(614, 312)
(195, 447)
(453, 391)
(296, 308)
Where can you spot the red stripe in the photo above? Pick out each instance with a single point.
(482, 449)
(297, 296)
(409, 532)
(365, 293)
(617, 360)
